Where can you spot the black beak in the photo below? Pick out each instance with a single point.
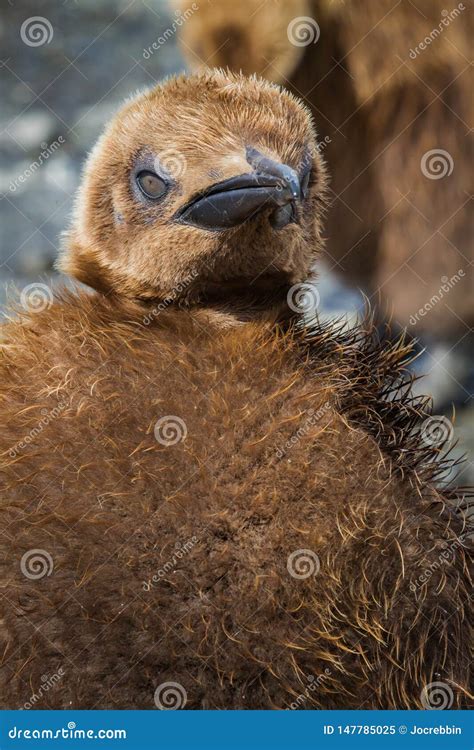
(231, 202)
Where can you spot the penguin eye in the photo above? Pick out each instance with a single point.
(151, 185)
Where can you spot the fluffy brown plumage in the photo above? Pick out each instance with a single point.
(176, 547)
(382, 105)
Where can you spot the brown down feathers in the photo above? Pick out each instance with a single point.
(291, 445)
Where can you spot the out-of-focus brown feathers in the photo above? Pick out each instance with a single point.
(389, 85)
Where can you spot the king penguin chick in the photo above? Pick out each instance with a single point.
(198, 489)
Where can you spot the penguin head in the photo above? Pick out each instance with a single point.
(207, 187)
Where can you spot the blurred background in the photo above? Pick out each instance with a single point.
(389, 87)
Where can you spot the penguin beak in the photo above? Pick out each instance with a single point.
(230, 203)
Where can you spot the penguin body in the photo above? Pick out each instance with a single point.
(198, 489)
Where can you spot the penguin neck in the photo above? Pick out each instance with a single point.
(247, 305)
(235, 303)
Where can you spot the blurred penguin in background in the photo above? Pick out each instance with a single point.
(389, 86)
